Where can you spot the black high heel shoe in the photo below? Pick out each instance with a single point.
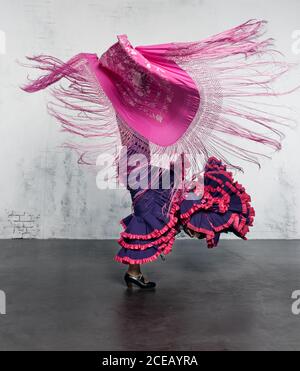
(138, 281)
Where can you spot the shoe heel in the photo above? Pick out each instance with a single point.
(127, 281)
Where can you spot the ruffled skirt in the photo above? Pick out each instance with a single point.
(150, 231)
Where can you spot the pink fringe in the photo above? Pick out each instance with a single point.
(242, 39)
(230, 67)
(80, 106)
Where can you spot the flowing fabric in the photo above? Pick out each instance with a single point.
(209, 99)
(149, 232)
(198, 97)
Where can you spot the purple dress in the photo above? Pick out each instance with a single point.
(158, 215)
(196, 98)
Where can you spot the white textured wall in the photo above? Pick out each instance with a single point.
(42, 186)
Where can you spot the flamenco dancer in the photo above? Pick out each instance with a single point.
(205, 99)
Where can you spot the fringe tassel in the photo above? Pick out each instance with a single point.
(80, 106)
(230, 69)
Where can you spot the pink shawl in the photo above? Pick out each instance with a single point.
(195, 97)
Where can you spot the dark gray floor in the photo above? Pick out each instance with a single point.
(69, 295)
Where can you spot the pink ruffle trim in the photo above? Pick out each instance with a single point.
(164, 237)
(164, 249)
(236, 220)
(171, 233)
(157, 232)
